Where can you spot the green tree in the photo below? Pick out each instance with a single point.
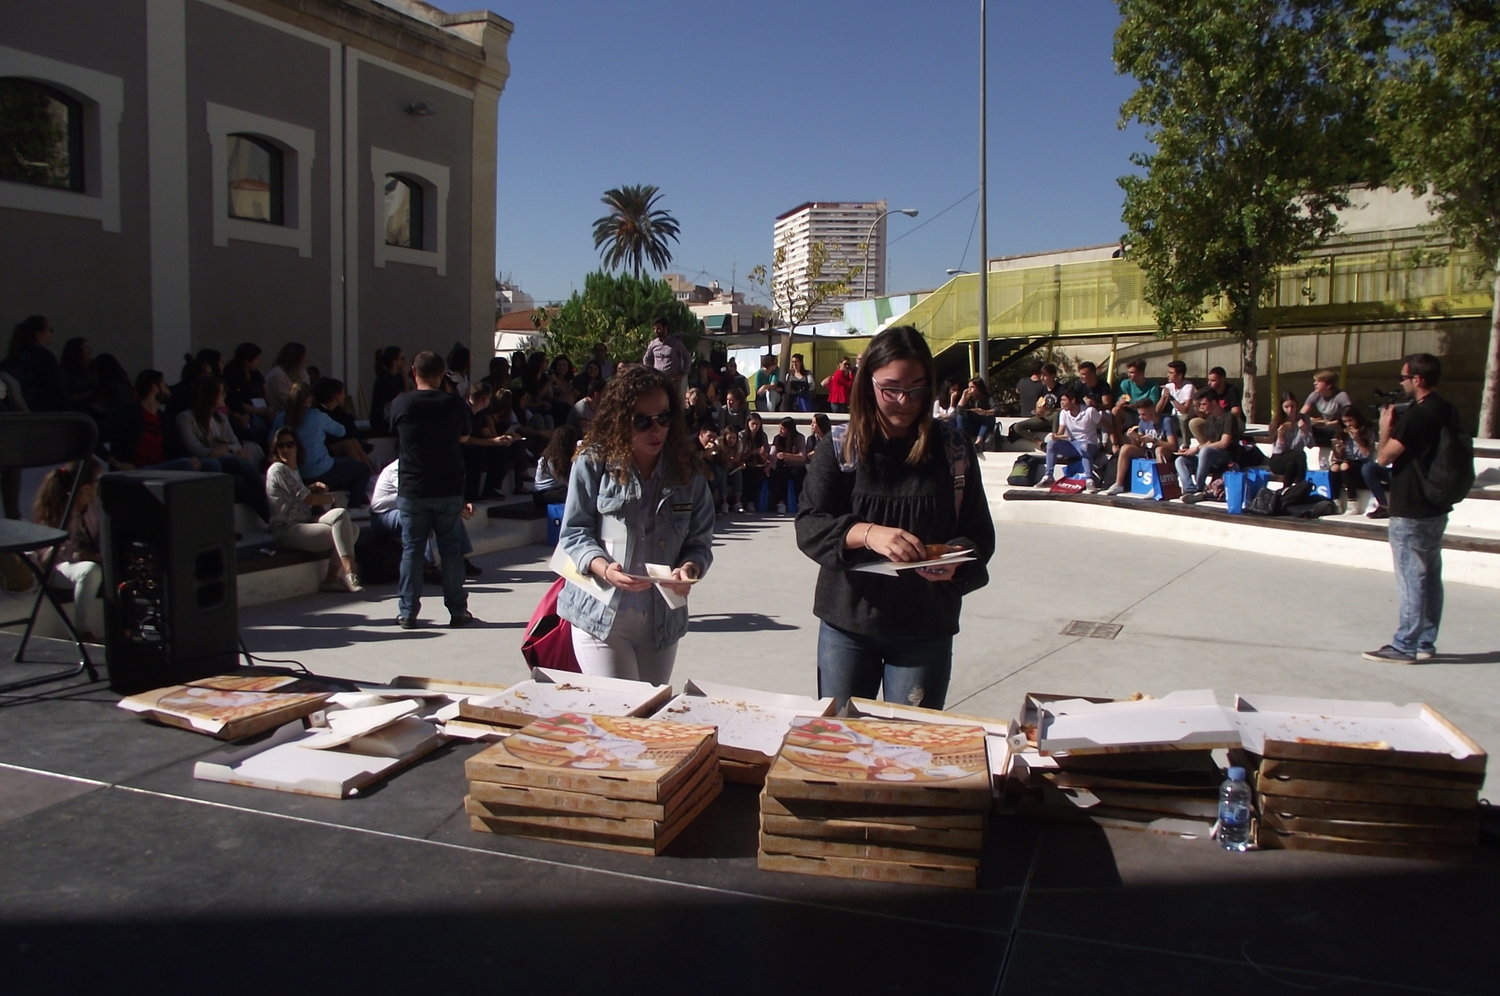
(617, 310)
(797, 297)
(635, 230)
(33, 142)
(1260, 114)
(1441, 122)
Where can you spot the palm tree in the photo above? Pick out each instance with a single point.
(635, 229)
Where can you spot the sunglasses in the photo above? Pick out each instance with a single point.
(642, 423)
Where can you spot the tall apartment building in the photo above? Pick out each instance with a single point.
(843, 227)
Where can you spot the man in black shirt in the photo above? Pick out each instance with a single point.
(1408, 443)
(431, 426)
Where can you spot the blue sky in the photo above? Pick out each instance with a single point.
(739, 112)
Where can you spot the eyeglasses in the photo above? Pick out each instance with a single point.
(898, 395)
(643, 422)
(1405, 377)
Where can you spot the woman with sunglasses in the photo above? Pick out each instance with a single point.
(883, 489)
(294, 522)
(636, 496)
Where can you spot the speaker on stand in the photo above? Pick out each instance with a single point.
(170, 603)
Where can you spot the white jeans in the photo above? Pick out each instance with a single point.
(86, 578)
(629, 652)
(334, 528)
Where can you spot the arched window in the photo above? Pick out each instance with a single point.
(256, 188)
(404, 212)
(41, 135)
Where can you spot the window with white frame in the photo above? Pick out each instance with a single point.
(60, 138)
(410, 211)
(262, 179)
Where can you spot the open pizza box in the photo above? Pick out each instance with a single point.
(231, 707)
(752, 724)
(359, 747)
(549, 693)
(1180, 720)
(1030, 713)
(1339, 731)
(1001, 736)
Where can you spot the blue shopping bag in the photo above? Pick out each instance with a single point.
(1234, 491)
(554, 523)
(1154, 480)
(1321, 482)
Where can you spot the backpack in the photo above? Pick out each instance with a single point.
(953, 443)
(1026, 471)
(1447, 480)
(1265, 502)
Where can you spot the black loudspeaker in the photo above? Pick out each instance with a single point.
(170, 604)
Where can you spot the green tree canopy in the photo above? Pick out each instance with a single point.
(635, 230)
(1259, 112)
(617, 310)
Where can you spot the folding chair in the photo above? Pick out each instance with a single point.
(37, 440)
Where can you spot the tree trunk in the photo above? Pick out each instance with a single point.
(1489, 392)
(1249, 343)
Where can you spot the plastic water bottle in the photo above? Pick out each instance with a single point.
(1234, 811)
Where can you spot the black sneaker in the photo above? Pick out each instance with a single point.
(461, 618)
(406, 622)
(472, 570)
(1194, 497)
(1389, 655)
(1378, 512)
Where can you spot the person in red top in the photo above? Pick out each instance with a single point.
(838, 384)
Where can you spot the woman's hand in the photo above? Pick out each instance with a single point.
(896, 545)
(938, 572)
(614, 575)
(685, 572)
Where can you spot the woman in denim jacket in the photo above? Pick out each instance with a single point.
(635, 497)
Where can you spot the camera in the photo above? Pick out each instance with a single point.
(1389, 399)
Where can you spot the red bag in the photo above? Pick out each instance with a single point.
(1068, 486)
(548, 641)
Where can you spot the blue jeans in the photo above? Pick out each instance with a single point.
(444, 517)
(914, 670)
(1417, 549)
(388, 524)
(1194, 474)
(1067, 451)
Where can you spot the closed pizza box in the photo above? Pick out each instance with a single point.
(752, 724)
(1411, 833)
(1384, 734)
(284, 762)
(551, 693)
(231, 707)
(1180, 720)
(883, 762)
(870, 869)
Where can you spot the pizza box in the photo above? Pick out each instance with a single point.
(909, 817)
(857, 708)
(1117, 819)
(1192, 807)
(1367, 812)
(871, 870)
(526, 819)
(1412, 833)
(344, 726)
(883, 762)
(1353, 732)
(283, 762)
(1281, 839)
(1180, 720)
(550, 693)
(743, 772)
(231, 707)
(771, 843)
(752, 723)
(473, 729)
(1279, 769)
(559, 801)
(456, 687)
(611, 756)
(1031, 710)
(865, 832)
(1369, 792)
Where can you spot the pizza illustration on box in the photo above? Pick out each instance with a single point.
(606, 743)
(885, 751)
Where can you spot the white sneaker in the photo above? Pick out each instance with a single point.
(781, 508)
(1045, 482)
(1114, 489)
(1091, 487)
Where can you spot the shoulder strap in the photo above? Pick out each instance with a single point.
(953, 446)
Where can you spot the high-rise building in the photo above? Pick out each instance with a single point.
(843, 228)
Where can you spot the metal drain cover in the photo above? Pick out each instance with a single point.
(1092, 630)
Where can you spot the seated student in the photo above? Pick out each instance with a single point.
(696, 410)
(788, 463)
(295, 524)
(976, 413)
(205, 432)
(1177, 396)
(1222, 429)
(1324, 406)
(1134, 388)
(490, 452)
(137, 438)
(1224, 396)
(710, 454)
(313, 428)
(1291, 434)
(385, 523)
(1354, 462)
(756, 449)
(1153, 437)
(1076, 438)
(734, 411)
(78, 563)
(1042, 416)
(818, 432)
(581, 415)
(734, 470)
(553, 468)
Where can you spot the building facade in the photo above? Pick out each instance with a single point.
(852, 233)
(218, 171)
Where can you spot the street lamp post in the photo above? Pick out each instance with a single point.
(909, 212)
(984, 221)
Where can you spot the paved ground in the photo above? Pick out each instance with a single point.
(120, 867)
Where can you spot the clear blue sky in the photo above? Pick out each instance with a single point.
(739, 112)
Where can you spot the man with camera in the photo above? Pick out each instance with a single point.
(1408, 444)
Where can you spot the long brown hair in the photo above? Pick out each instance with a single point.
(51, 498)
(205, 393)
(903, 342)
(611, 431)
(297, 401)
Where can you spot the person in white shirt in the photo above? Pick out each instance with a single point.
(1076, 438)
(385, 520)
(1177, 395)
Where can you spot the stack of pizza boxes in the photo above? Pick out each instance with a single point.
(622, 783)
(1372, 778)
(877, 799)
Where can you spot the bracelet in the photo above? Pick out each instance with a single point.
(864, 540)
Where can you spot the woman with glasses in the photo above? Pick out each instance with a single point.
(885, 488)
(636, 496)
(295, 524)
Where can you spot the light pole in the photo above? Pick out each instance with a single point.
(984, 221)
(909, 212)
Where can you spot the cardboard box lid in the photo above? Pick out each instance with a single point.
(283, 764)
(551, 693)
(751, 723)
(1377, 733)
(231, 706)
(1190, 719)
(871, 708)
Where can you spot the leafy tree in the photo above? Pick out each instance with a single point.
(1442, 124)
(635, 229)
(797, 297)
(1260, 112)
(33, 144)
(617, 310)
